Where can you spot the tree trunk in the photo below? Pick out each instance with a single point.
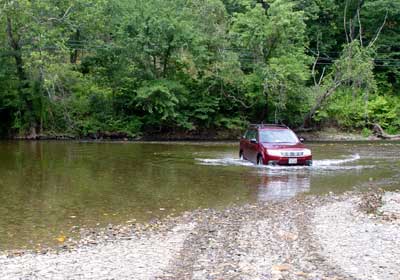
(165, 62)
(354, 20)
(265, 110)
(74, 53)
(14, 42)
(15, 46)
(167, 55)
(320, 101)
(264, 4)
(379, 132)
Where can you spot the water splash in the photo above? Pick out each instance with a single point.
(326, 164)
(329, 162)
(224, 162)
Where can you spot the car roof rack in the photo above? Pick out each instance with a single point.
(264, 125)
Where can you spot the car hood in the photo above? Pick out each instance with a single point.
(279, 146)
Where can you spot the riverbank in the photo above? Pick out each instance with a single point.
(325, 134)
(335, 135)
(329, 134)
(196, 135)
(351, 236)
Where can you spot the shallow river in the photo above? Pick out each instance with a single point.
(53, 189)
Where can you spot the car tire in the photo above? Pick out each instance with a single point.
(241, 155)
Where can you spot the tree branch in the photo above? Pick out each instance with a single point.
(360, 28)
(379, 132)
(234, 98)
(313, 69)
(344, 21)
(356, 17)
(66, 14)
(322, 76)
(379, 31)
(315, 63)
(321, 99)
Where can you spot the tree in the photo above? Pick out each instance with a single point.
(276, 41)
(354, 69)
(93, 68)
(382, 18)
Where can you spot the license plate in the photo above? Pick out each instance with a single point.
(293, 161)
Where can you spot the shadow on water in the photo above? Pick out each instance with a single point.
(53, 188)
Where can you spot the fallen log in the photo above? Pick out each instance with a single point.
(302, 129)
(380, 133)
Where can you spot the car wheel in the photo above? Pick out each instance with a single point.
(241, 155)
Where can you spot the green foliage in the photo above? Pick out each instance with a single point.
(388, 44)
(385, 110)
(280, 70)
(346, 111)
(159, 100)
(366, 132)
(362, 111)
(355, 67)
(127, 67)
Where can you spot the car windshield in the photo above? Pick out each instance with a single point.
(278, 136)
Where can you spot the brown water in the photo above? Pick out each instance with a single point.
(49, 188)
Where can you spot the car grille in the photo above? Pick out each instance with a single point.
(292, 154)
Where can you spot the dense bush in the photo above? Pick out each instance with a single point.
(131, 67)
(360, 111)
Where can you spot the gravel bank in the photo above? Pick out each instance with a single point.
(308, 238)
(364, 245)
(143, 258)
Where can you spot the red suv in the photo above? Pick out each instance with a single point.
(273, 144)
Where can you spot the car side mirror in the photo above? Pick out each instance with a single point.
(253, 141)
(302, 139)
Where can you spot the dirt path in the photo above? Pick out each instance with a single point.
(263, 242)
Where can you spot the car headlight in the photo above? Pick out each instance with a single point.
(306, 152)
(275, 153)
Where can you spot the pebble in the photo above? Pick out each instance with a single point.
(362, 244)
(302, 238)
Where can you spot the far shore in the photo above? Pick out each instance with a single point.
(326, 135)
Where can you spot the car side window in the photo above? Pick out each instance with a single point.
(251, 134)
(254, 136)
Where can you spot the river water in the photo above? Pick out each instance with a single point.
(52, 189)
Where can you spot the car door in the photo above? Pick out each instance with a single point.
(253, 146)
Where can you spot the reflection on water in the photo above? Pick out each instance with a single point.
(282, 186)
(53, 188)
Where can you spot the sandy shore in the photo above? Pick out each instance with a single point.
(350, 236)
